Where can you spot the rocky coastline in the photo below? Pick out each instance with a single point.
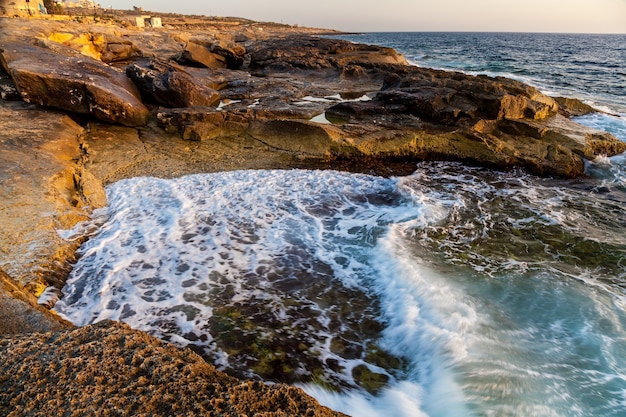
(85, 104)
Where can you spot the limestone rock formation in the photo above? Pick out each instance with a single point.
(43, 188)
(494, 122)
(325, 56)
(76, 84)
(102, 46)
(20, 312)
(109, 369)
(214, 54)
(170, 85)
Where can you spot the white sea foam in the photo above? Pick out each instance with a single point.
(607, 122)
(487, 321)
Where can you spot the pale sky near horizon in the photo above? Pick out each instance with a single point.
(565, 16)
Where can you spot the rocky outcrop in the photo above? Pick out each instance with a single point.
(77, 84)
(214, 54)
(20, 312)
(324, 56)
(497, 122)
(43, 188)
(170, 85)
(275, 112)
(109, 369)
(102, 46)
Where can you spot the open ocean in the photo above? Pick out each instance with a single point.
(454, 291)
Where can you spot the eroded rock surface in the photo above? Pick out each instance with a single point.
(20, 312)
(43, 188)
(170, 85)
(77, 84)
(110, 370)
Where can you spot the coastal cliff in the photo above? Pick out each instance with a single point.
(85, 104)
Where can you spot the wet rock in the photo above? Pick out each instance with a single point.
(20, 312)
(370, 381)
(77, 84)
(169, 85)
(132, 373)
(428, 114)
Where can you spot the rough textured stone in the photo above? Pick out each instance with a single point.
(170, 86)
(43, 188)
(301, 53)
(199, 55)
(107, 369)
(20, 313)
(77, 84)
(214, 54)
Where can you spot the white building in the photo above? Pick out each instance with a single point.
(87, 4)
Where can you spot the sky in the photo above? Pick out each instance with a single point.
(561, 16)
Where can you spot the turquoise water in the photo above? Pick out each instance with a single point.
(454, 291)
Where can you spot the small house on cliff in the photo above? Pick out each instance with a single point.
(22, 7)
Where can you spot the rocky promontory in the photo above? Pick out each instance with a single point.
(84, 104)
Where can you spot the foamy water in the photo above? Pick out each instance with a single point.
(456, 291)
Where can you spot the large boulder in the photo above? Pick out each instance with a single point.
(214, 54)
(169, 85)
(78, 84)
(446, 97)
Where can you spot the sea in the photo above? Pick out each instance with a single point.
(453, 291)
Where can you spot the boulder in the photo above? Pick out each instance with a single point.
(77, 84)
(212, 54)
(118, 49)
(169, 85)
(449, 97)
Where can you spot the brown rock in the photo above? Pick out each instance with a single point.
(43, 188)
(109, 369)
(198, 55)
(497, 122)
(214, 54)
(325, 56)
(77, 84)
(20, 312)
(170, 86)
